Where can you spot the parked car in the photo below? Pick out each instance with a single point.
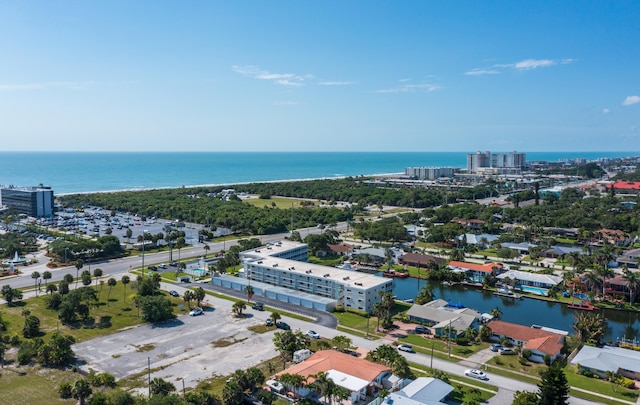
(162, 266)
(313, 334)
(351, 352)
(196, 312)
(268, 322)
(405, 348)
(495, 347)
(174, 293)
(258, 306)
(173, 264)
(474, 373)
(153, 268)
(506, 351)
(283, 326)
(422, 329)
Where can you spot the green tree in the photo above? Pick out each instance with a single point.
(275, 317)
(206, 249)
(125, 280)
(249, 291)
(81, 391)
(199, 295)
(425, 295)
(188, 296)
(287, 342)
(525, 398)
(31, 326)
(86, 278)
(46, 276)
(238, 307)
(161, 387)
(79, 264)
(57, 352)
(232, 393)
(111, 283)
(10, 294)
(155, 308)
(553, 388)
(35, 276)
(97, 273)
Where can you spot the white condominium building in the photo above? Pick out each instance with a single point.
(283, 264)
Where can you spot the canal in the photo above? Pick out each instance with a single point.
(526, 311)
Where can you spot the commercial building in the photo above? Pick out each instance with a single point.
(429, 173)
(283, 265)
(35, 202)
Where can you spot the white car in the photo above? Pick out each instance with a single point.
(405, 348)
(474, 373)
(313, 334)
(196, 312)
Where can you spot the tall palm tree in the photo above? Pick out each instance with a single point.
(605, 272)
(633, 280)
(111, 283)
(592, 281)
(125, 280)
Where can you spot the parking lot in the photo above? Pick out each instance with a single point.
(191, 347)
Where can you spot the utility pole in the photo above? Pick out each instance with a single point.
(149, 374)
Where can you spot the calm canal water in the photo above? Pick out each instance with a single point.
(525, 311)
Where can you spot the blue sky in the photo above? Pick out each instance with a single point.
(320, 75)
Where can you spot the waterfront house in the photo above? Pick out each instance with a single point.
(540, 341)
(339, 249)
(557, 251)
(614, 237)
(362, 378)
(617, 285)
(422, 391)
(599, 360)
(482, 241)
(522, 247)
(630, 258)
(524, 278)
(472, 224)
(438, 315)
(420, 260)
(474, 271)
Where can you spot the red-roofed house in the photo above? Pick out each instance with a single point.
(476, 272)
(361, 377)
(539, 341)
(626, 186)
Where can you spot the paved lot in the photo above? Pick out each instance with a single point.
(181, 348)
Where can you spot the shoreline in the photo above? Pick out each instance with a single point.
(228, 184)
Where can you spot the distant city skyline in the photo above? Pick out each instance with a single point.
(245, 75)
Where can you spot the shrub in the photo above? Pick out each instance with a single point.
(627, 383)
(462, 341)
(522, 361)
(526, 353)
(65, 390)
(547, 359)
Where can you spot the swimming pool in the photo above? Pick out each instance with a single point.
(581, 296)
(534, 290)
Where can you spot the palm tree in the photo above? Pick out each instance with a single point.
(425, 295)
(125, 280)
(35, 276)
(79, 264)
(592, 281)
(111, 283)
(605, 272)
(322, 382)
(238, 307)
(81, 390)
(206, 249)
(180, 242)
(97, 273)
(496, 313)
(249, 290)
(275, 317)
(633, 280)
(188, 296)
(46, 275)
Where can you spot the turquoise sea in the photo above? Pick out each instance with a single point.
(80, 172)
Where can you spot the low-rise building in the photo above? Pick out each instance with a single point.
(420, 260)
(540, 341)
(599, 360)
(525, 278)
(35, 202)
(474, 271)
(362, 378)
(439, 315)
(273, 265)
(422, 391)
(629, 258)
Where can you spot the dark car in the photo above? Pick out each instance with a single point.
(173, 264)
(422, 329)
(174, 293)
(153, 268)
(258, 306)
(283, 326)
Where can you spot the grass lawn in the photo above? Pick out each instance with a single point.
(110, 315)
(423, 345)
(36, 385)
(280, 203)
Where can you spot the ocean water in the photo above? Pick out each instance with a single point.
(80, 172)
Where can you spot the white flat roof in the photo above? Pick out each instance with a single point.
(347, 277)
(347, 381)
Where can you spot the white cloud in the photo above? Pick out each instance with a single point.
(606, 111)
(479, 72)
(412, 88)
(46, 85)
(630, 100)
(336, 83)
(528, 64)
(284, 79)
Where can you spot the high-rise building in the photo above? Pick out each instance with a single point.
(478, 160)
(512, 160)
(35, 202)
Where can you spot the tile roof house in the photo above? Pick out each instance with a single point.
(539, 341)
(417, 259)
(361, 377)
(626, 186)
(422, 391)
(438, 315)
(476, 271)
(599, 360)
